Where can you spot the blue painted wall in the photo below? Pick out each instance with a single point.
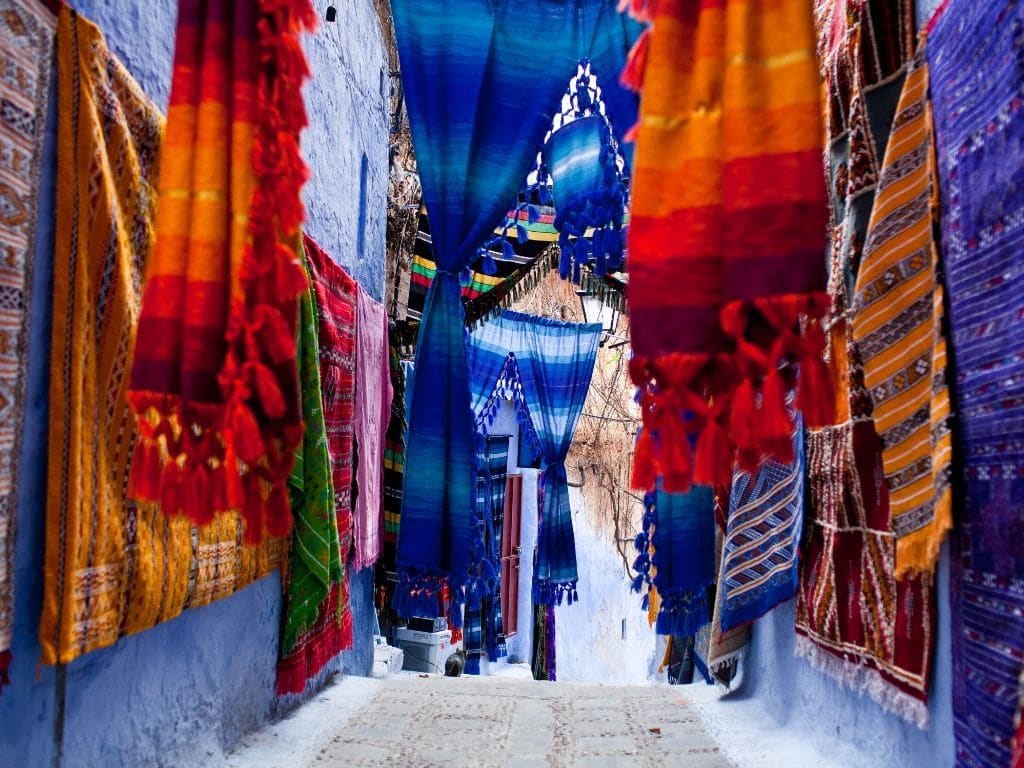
(189, 689)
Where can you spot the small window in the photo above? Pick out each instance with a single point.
(623, 630)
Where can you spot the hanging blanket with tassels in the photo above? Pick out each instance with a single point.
(976, 57)
(545, 367)
(480, 101)
(214, 378)
(680, 529)
(312, 632)
(728, 228)
(336, 294)
(762, 538)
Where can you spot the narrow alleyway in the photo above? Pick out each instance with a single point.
(491, 721)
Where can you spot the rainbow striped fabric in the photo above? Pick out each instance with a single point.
(214, 377)
(727, 236)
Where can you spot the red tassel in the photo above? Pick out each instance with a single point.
(743, 425)
(233, 488)
(144, 480)
(253, 511)
(814, 395)
(279, 512)
(245, 430)
(632, 76)
(268, 390)
(171, 486)
(776, 425)
(645, 471)
(676, 461)
(198, 502)
(713, 463)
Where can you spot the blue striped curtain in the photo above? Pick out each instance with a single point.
(545, 367)
(480, 98)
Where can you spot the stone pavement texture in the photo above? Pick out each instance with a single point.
(501, 722)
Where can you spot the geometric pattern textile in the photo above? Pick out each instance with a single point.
(336, 305)
(113, 567)
(26, 58)
(976, 57)
(898, 328)
(311, 632)
(762, 537)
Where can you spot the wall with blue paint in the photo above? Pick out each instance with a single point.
(189, 689)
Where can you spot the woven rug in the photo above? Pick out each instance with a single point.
(723, 267)
(26, 54)
(112, 567)
(898, 328)
(394, 447)
(977, 67)
(336, 296)
(761, 544)
(311, 633)
(855, 621)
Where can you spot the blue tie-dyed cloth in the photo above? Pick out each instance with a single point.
(976, 55)
(545, 367)
(760, 561)
(480, 99)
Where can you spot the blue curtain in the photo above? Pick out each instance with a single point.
(482, 79)
(545, 366)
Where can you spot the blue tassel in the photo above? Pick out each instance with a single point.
(532, 213)
(638, 582)
(641, 542)
(521, 234)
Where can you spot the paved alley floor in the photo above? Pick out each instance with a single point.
(419, 722)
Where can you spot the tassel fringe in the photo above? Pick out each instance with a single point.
(200, 459)
(734, 404)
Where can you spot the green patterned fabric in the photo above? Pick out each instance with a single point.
(316, 552)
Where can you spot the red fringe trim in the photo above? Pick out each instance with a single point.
(632, 76)
(734, 404)
(317, 648)
(200, 459)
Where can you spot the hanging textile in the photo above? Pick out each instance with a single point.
(372, 408)
(479, 100)
(897, 326)
(760, 553)
(514, 274)
(394, 445)
(213, 379)
(311, 634)
(335, 294)
(545, 366)
(855, 620)
(724, 265)
(681, 532)
(113, 567)
(977, 70)
(26, 53)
